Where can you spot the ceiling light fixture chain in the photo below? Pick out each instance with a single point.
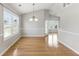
(33, 9)
(33, 17)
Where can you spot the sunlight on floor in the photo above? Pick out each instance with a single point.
(52, 40)
(15, 52)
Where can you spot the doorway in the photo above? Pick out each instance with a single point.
(51, 30)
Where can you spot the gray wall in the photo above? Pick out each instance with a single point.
(1, 24)
(33, 28)
(69, 24)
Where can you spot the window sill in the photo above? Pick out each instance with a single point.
(9, 37)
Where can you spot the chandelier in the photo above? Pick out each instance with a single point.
(33, 17)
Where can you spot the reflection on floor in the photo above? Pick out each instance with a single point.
(34, 46)
(52, 39)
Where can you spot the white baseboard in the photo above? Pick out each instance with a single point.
(69, 47)
(10, 46)
(33, 35)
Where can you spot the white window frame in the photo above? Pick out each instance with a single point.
(12, 34)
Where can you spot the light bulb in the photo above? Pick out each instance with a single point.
(36, 19)
(31, 19)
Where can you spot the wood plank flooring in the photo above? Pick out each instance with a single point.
(36, 46)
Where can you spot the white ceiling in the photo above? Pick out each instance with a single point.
(28, 7)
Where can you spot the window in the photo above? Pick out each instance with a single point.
(11, 23)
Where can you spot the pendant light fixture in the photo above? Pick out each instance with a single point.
(33, 17)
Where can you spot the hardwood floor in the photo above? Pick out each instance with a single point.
(31, 46)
